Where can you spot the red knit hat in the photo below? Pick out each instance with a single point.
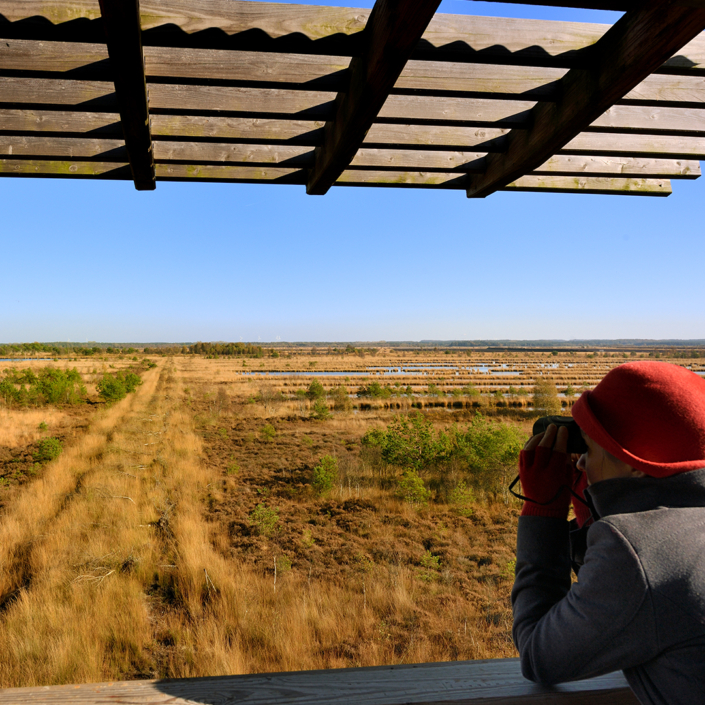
(651, 415)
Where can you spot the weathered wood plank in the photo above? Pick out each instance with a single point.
(630, 118)
(57, 121)
(307, 132)
(121, 19)
(242, 174)
(44, 91)
(628, 167)
(269, 67)
(462, 682)
(65, 168)
(593, 185)
(59, 57)
(266, 101)
(205, 152)
(393, 30)
(675, 146)
(627, 53)
(63, 148)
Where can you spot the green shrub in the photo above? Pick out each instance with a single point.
(411, 489)
(325, 474)
(374, 438)
(315, 390)
(268, 432)
(264, 519)
(545, 398)
(48, 449)
(411, 442)
(341, 398)
(111, 387)
(320, 411)
(462, 498)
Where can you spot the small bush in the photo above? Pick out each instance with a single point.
(462, 497)
(374, 438)
(315, 391)
(264, 519)
(411, 489)
(48, 449)
(325, 474)
(320, 411)
(268, 432)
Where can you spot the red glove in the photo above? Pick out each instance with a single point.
(581, 510)
(546, 477)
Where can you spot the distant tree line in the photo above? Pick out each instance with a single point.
(58, 349)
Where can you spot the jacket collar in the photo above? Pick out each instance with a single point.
(625, 495)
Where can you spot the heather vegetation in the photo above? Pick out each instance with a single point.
(216, 520)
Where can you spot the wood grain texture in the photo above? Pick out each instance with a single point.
(628, 167)
(392, 32)
(121, 19)
(466, 682)
(637, 44)
(637, 145)
(60, 121)
(66, 169)
(63, 148)
(44, 91)
(591, 185)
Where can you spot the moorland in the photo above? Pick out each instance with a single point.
(211, 510)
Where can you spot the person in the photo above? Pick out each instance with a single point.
(639, 601)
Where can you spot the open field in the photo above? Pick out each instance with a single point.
(179, 533)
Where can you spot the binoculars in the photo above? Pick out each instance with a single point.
(576, 443)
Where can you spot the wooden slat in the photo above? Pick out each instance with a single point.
(66, 168)
(121, 19)
(58, 57)
(260, 154)
(569, 164)
(103, 124)
(456, 683)
(242, 174)
(592, 185)
(638, 145)
(629, 52)
(63, 148)
(298, 131)
(393, 30)
(266, 101)
(94, 95)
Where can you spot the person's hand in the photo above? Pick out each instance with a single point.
(546, 474)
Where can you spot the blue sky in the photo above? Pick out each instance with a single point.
(101, 261)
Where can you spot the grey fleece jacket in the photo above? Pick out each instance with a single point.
(639, 603)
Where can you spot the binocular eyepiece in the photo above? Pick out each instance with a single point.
(576, 443)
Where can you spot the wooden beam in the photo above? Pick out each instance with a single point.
(392, 32)
(592, 185)
(121, 19)
(674, 146)
(623, 57)
(627, 167)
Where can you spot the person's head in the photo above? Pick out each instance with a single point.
(643, 418)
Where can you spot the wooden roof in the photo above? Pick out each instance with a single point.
(237, 91)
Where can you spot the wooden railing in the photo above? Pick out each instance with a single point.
(466, 682)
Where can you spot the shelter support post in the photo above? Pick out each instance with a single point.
(121, 19)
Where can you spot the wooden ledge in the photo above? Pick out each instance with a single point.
(467, 682)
